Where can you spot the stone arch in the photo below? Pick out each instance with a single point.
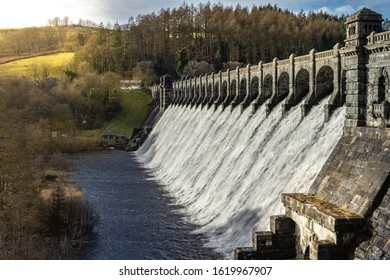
(301, 85)
(216, 91)
(283, 85)
(202, 92)
(209, 92)
(192, 93)
(383, 87)
(233, 87)
(233, 91)
(224, 90)
(267, 86)
(242, 90)
(324, 82)
(254, 89)
(179, 94)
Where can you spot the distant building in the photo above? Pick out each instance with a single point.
(110, 138)
(130, 84)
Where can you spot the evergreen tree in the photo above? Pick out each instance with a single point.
(181, 60)
(116, 36)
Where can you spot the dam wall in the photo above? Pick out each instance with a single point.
(343, 211)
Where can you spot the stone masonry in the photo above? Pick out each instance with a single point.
(346, 213)
(377, 246)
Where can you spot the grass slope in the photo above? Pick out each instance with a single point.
(134, 108)
(23, 67)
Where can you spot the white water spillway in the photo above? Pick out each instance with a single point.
(228, 169)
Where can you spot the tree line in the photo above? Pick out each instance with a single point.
(208, 37)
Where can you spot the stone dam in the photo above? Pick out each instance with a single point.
(343, 211)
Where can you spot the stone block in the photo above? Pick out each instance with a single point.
(275, 254)
(247, 253)
(322, 211)
(261, 240)
(243, 253)
(282, 224)
(360, 254)
(380, 241)
(284, 240)
(325, 250)
(374, 253)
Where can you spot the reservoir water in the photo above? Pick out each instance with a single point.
(137, 219)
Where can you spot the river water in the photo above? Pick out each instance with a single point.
(137, 219)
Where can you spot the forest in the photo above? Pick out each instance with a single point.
(188, 40)
(193, 40)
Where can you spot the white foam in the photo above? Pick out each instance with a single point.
(228, 169)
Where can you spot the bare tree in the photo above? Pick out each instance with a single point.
(40, 74)
(65, 21)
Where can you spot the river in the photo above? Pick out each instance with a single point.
(137, 218)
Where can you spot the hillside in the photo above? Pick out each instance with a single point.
(57, 62)
(134, 107)
(17, 43)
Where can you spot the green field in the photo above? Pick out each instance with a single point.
(134, 104)
(23, 67)
(134, 107)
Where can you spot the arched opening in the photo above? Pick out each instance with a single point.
(192, 93)
(381, 89)
(233, 91)
(198, 92)
(202, 93)
(267, 86)
(283, 85)
(216, 92)
(301, 85)
(242, 91)
(179, 95)
(209, 92)
(324, 82)
(224, 90)
(254, 92)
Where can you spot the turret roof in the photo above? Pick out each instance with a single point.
(365, 14)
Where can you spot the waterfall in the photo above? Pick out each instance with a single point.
(229, 169)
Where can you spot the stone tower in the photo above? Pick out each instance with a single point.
(358, 27)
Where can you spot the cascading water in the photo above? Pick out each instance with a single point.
(229, 169)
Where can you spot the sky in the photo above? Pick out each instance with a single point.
(25, 13)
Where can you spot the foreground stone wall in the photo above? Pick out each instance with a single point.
(377, 247)
(346, 213)
(356, 174)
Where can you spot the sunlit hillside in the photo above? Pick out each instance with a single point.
(24, 67)
(16, 43)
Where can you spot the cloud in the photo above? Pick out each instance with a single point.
(27, 12)
(346, 10)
